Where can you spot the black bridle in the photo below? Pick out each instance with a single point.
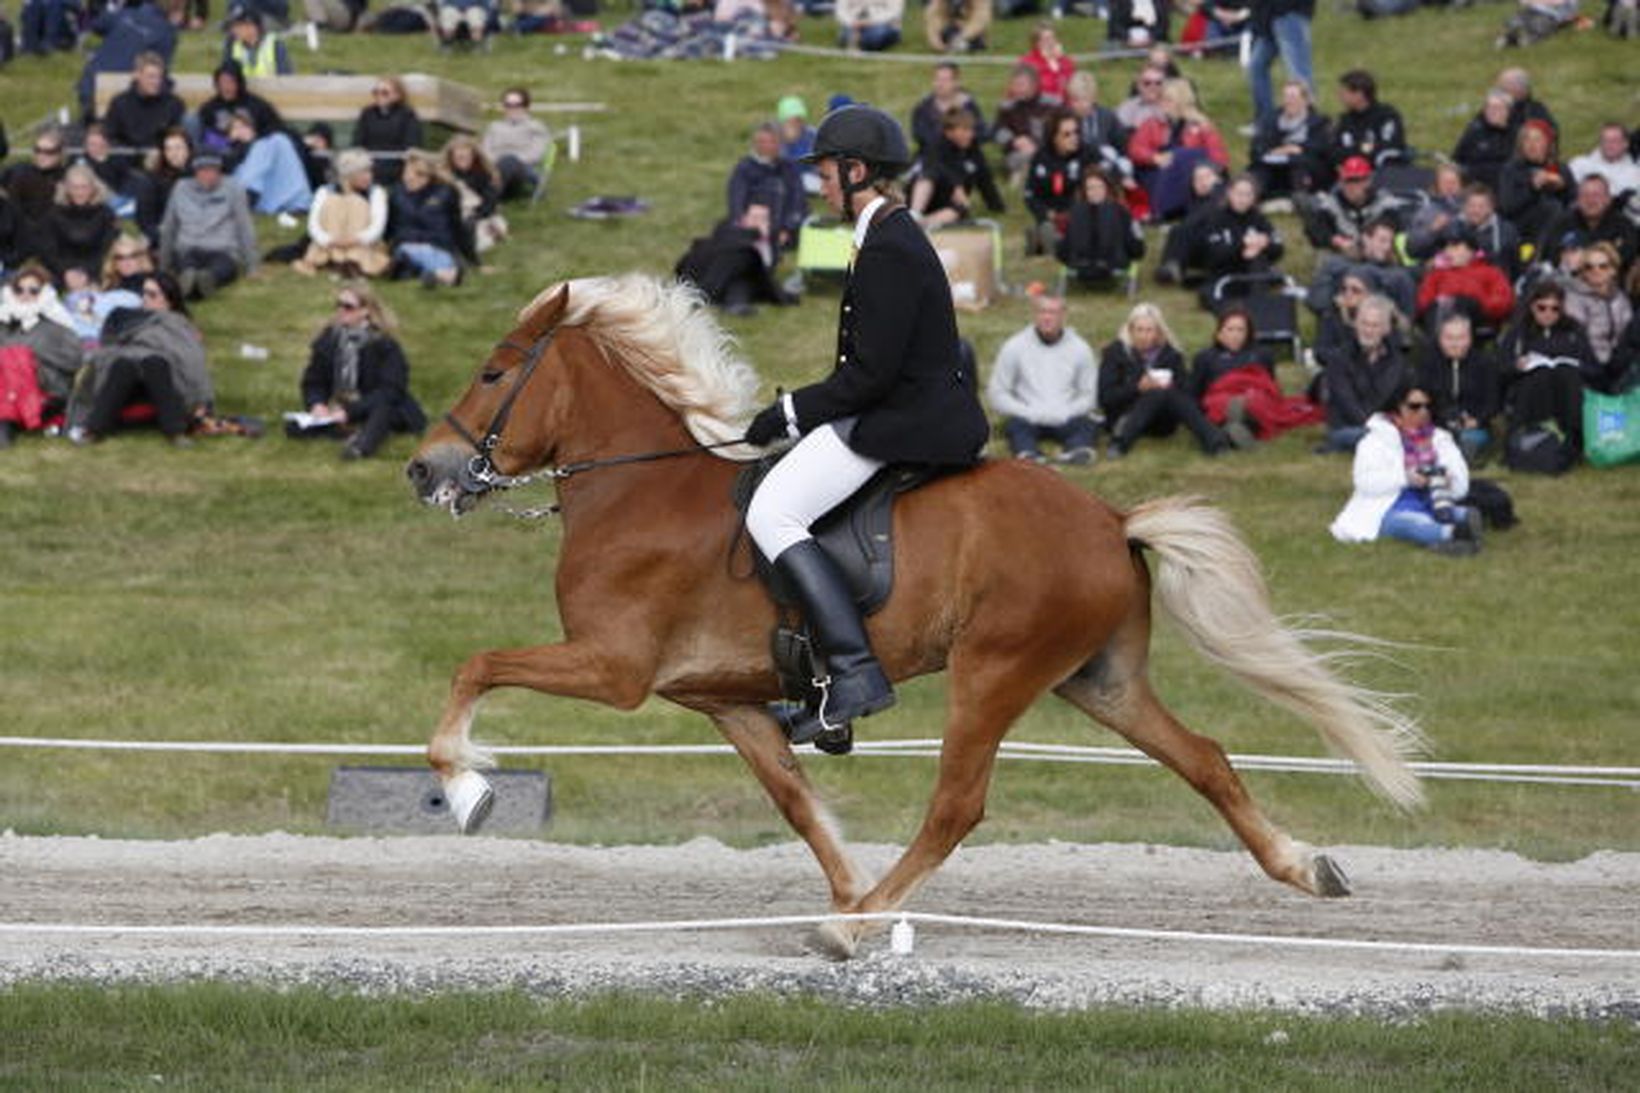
(480, 475)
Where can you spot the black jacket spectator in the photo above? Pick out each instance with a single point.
(1376, 132)
(383, 380)
(1132, 412)
(1122, 22)
(1306, 172)
(78, 237)
(216, 111)
(1101, 240)
(1052, 183)
(1355, 386)
(1224, 234)
(11, 233)
(395, 129)
(1569, 228)
(949, 167)
(1470, 386)
(135, 120)
(430, 215)
(1216, 361)
(1483, 149)
(928, 120)
(1552, 392)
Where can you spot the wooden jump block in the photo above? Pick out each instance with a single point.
(436, 100)
(410, 801)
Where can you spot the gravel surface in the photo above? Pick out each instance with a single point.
(1445, 897)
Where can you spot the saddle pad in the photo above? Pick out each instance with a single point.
(858, 534)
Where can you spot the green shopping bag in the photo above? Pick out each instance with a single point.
(1611, 427)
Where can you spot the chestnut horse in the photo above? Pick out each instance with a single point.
(1008, 576)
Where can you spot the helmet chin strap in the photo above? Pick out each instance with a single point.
(849, 186)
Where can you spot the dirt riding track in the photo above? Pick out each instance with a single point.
(1449, 897)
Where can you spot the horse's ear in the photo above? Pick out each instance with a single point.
(544, 312)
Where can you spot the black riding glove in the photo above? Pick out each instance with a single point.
(768, 426)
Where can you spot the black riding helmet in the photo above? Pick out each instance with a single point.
(862, 133)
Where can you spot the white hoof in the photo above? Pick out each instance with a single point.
(837, 940)
(470, 798)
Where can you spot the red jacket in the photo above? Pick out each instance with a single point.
(1053, 78)
(1156, 135)
(1480, 281)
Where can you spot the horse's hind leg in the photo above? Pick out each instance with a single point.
(1112, 689)
(760, 742)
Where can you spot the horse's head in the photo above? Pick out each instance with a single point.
(501, 426)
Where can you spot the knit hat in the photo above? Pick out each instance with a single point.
(791, 107)
(351, 162)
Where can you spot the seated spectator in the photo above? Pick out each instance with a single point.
(1102, 239)
(11, 233)
(1625, 362)
(1367, 128)
(1234, 380)
(1135, 23)
(207, 239)
(1054, 67)
(952, 174)
(129, 263)
(255, 49)
(138, 116)
(1535, 20)
(357, 377)
(479, 186)
(468, 20)
(956, 26)
(1523, 106)
(1045, 386)
(1611, 160)
(129, 31)
(1143, 385)
(267, 166)
(131, 193)
(1593, 217)
(424, 224)
(388, 125)
(318, 148)
(1337, 219)
(1146, 101)
(1408, 475)
(1051, 184)
(1184, 253)
(946, 93)
(1104, 137)
(1377, 263)
(1292, 146)
(1165, 150)
(32, 316)
(216, 112)
(1463, 380)
(1595, 300)
(347, 222)
(1546, 362)
(1335, 307)
(80, 227)
(1021, 125)
(168, 164)
(47, 25)
(1533, 187)
(1488, 140)
(1497, 238)
(869, 25)
(341, 16)
(791, 113)
(734, 266)
(32, 187)
(154, 355)
(1360, 374)
(1460, 279)
(1238, 239)
(517, 144)
(1440, 211)
(764, 177)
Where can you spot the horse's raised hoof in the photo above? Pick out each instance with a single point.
(471, 799)
(836, 940)
(1330, 881)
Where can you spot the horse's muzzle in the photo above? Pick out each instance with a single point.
(441, 478)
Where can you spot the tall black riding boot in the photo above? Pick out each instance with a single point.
(855, 685)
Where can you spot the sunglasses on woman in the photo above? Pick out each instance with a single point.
(1415, 405)
(28, 291)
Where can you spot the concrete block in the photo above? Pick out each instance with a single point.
(410, 801)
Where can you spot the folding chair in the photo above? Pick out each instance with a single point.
(543, 171)
(1271, 298)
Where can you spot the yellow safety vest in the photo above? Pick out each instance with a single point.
(263, 61)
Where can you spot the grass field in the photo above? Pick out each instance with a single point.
(264, 591)
(211, 1037)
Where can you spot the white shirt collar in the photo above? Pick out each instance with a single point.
(863, 224)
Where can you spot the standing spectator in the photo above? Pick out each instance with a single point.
(1239, 239)
(138, 116)
(1611, 160)
(956, 26)
(155, 355)
(1367, 127)
(80, 227)
(945, 93)
(207, 238)
(1136, 23)
(1594, 299)
(1143, 385)
(357, 375)
(479, 186)
(765, 177)
(1488, 140)
(1279, 26)
(1534, 186)
(869, 25)
(1146, 101)
(1052, 183)
(267, 167)
(128, 32)
(388, 125)
(255, 49)
(347, 222)
(424, 224)
(1463, 380)
(1361, 374)
(1021, 124)
(1165, 150)
(517, 144)
(1592, 218)
(1439, 212)
(1045, 384)
(1054, 67)
(1102, 239)
(950, 175)
(216, 112)
(47, 25)
(1461, 280)
(1292, 146)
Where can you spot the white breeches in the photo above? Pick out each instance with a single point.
(817, 475)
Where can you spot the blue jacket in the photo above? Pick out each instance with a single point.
(125, 34)
(779, 185)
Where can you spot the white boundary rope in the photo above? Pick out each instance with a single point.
(901, 920)
(1540, 774)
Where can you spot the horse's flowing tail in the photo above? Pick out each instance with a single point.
(1209, 581)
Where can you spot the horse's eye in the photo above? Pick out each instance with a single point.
(491, 376)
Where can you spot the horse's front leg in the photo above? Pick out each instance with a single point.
(569, 669)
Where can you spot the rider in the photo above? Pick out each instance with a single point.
(899, 394)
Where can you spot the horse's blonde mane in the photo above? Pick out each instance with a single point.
(666, 338)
